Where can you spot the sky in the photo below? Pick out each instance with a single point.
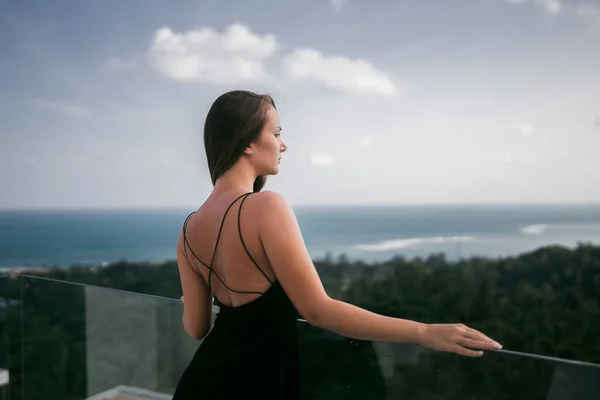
(102, 103)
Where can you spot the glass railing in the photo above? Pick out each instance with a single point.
(5, 305)
(87, 342)
(335, 367)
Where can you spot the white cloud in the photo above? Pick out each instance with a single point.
(337, 4)
(366, 142)
(63, 107)
(239, 56)
(535, 229)
(322, 159)
(553, 6)
(526, 130)
(589, 11)
(583, 10)
(204, 55)
(338, 73)
(597, 122)
(120, 64)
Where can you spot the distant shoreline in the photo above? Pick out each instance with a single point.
(333, 259)
(97, 238)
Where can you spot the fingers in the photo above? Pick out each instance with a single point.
(480, 337)
(475, 334)
(466, 352)
(479, 345)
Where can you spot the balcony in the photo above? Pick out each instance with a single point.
(62, 340)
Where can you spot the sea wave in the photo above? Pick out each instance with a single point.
(534, 229)
(396, 244)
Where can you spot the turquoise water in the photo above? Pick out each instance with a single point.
(35, 238)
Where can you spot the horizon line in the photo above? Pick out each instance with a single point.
(308, 205)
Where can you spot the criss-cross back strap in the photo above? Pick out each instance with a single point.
(219, 237)
(210, 266)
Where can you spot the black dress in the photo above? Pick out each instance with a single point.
(252, 350)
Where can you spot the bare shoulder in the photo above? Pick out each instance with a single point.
(271, 201)
(275, 214)
(270, 197)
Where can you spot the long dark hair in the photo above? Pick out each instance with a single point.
(234, 121)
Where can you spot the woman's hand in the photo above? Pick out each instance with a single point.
(456, 338)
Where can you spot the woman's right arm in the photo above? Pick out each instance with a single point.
(289, 258)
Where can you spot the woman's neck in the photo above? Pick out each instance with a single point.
(236, 179)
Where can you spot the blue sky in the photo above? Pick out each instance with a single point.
(463, 101)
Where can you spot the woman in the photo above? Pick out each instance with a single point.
(243, 247)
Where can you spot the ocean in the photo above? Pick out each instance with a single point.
(62, 238)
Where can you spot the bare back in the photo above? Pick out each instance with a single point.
(252, 349)
(222, 244)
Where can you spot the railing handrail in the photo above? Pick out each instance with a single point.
(502, 351)
(44, 278)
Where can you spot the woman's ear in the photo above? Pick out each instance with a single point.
(249, 150)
